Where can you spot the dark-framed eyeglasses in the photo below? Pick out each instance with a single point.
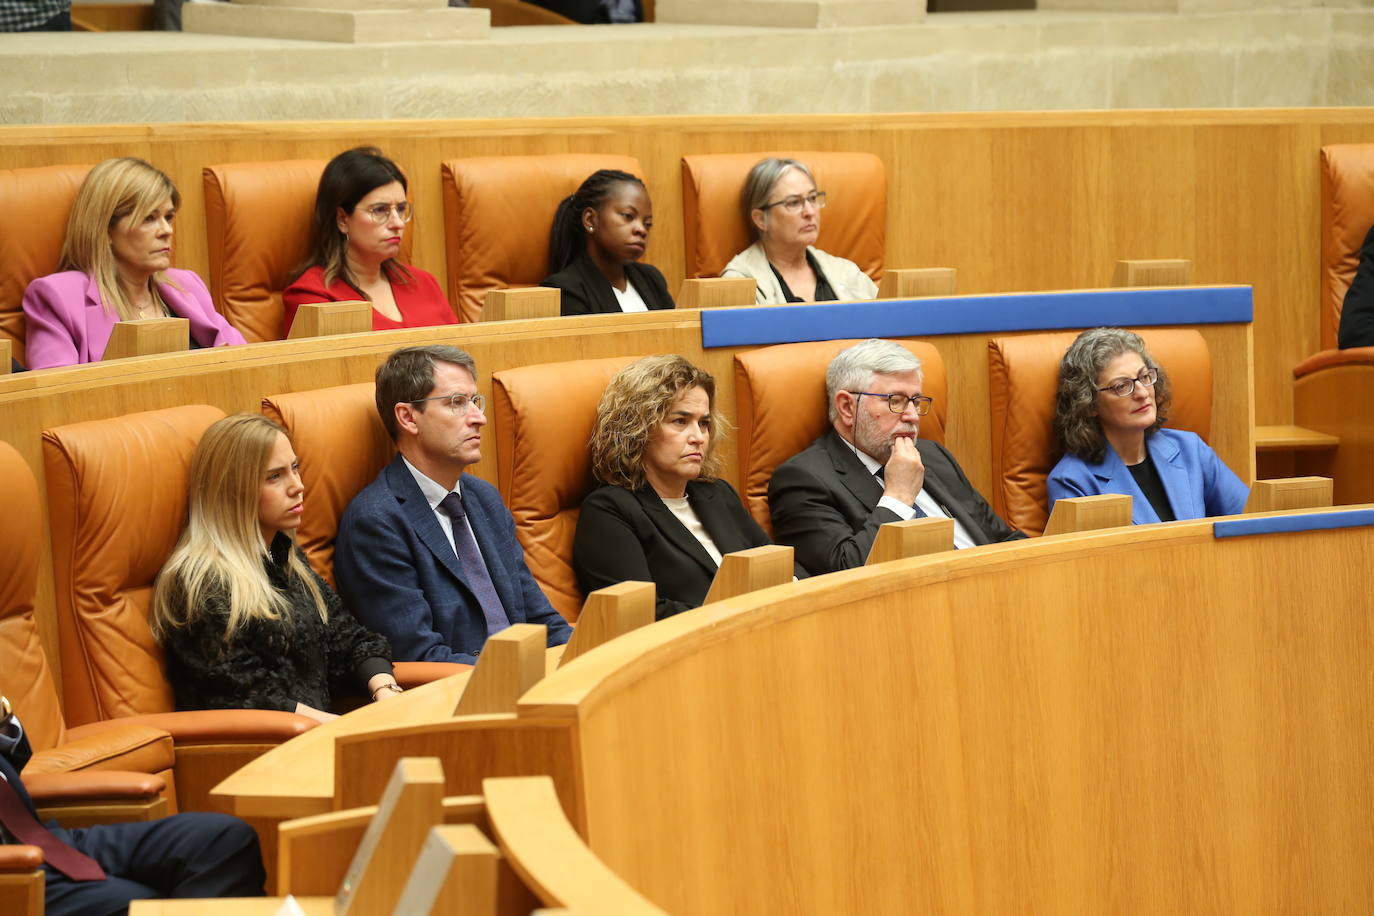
(794, 203)
(897, 402)
(381, 213)
(458, 403)
(1125, 387)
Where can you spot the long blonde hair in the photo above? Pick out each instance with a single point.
(114, 189)
(221, 551)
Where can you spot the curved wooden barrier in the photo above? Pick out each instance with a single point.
(1154, 719)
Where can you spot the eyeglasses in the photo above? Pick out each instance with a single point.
(897, 402)
(794, 203)
(381, 213)
(458, 403)
(1125, 387)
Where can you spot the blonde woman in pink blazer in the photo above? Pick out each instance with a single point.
(116, 262)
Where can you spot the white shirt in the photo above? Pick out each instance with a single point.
(630, 300)
(685, 514)
(923, 499)
(434, 494)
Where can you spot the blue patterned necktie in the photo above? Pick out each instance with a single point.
(474, 570)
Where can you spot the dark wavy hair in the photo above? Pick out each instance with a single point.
(347, 179)
(635, 402)
(1076, 425)
(567, 238)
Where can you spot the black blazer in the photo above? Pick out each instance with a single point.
(625, 535)
(587, 291)
(1357, 312)
(824, 503)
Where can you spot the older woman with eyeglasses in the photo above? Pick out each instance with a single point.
(782, 208)
(361, 214)
(1111, 408)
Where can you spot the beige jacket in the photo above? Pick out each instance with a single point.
(845, 277)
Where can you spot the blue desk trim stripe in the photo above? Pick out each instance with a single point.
(977, 314)
(1286, 524)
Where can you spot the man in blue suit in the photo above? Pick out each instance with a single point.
(426, 555)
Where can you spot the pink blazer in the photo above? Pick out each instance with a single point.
(66, 324)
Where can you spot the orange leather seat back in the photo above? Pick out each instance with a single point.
(116, 504)
(498, 211)
(1023, 375)
(342, 447)
(36, 203)
(257, 228)
(25, 677)
(1347, 214)
(544, 416)
(780, 397)
(853, 223)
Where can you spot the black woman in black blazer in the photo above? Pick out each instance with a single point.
(599, 233)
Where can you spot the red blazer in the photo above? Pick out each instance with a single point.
(421, 301)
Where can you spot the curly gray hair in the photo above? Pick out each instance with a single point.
(1075, 413)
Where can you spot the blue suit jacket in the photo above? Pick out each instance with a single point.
(399, 576)
(1197, 482)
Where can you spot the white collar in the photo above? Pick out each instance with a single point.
(434, 493)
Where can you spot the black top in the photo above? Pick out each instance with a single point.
(824, 292)
(586, 290)
(1357, 313)
(1147, 478)
(273, 664)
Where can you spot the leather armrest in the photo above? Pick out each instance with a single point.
(20, 858)
(1327, 359)
(92, 786)
(126, 746)
(219, 726)
(413, 674)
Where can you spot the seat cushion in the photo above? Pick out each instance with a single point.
(853, 224)
(780, 398)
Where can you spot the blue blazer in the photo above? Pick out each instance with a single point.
(399, 576)
(1197, 482)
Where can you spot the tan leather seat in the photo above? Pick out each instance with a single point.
(116, 504)
(498, 211)
(1347, 201)
(36, 203)
(1023, 375)
(342, 447)
(544, 416)
(780, 398)
(257, 228)
(133, 759)
(853, 225)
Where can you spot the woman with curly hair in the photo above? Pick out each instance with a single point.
(662, 514)
(1112, 404)
(244, 620)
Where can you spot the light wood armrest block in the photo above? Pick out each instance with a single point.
(1089, 513)
(6, 355)
(912, 283)
(526, 302)
(1290, 493)
(717, 292)
(511, 662)
(913, 538)
(1161, 272)
(21, 889)
(410, 807)
(608, 613)
(1284, 438)
(89, 814)
(147, 336)
(536, 838)
(749, 570)
(454, 874)
(323, 319)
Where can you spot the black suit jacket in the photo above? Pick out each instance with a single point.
(824, 503)
(586, 289)
(1357, 312)
(625, 535)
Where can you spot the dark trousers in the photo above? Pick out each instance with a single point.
(62, 22)
(185, 855)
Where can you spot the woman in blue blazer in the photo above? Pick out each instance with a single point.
(1112, 402)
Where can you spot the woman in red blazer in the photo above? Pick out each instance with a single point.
(361, 214)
